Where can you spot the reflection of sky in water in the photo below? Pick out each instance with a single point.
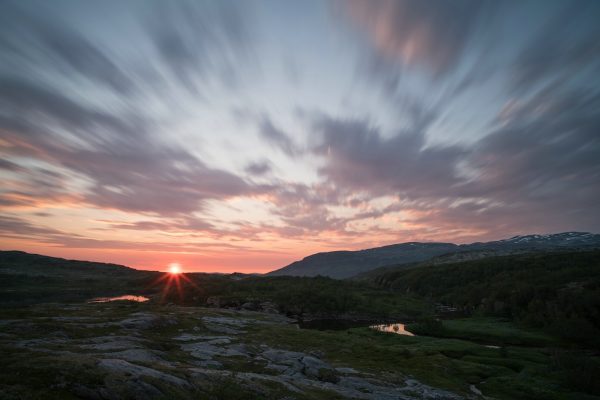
(392, 328)
(129, 297)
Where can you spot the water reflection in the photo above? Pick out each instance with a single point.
(128, 297)
(392, 328)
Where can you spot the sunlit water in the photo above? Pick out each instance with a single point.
(343, 324)
(392, 328)
(128, 297)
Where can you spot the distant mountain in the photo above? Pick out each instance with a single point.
(346, 264)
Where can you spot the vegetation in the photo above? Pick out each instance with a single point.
(318, 296)
(32, 279)
(531, 328)
(507, 372)
(485, 330)
(558, 292)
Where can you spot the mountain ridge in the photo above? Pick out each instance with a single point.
(342, 264)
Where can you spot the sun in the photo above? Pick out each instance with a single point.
(174, 268)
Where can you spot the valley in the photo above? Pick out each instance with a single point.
(521, 326)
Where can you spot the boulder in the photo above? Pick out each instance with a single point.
(250, 306)
(269, 307)
(213, 301)
(143, 320)
(137, 355)
(315, 368)
(122, 367)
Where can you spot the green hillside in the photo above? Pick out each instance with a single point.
(559, 292)
(32, 278)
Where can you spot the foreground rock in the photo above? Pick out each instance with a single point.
(183, 353)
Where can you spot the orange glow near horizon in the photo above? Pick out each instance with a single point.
(257, 257)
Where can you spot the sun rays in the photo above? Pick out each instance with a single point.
(173, 282)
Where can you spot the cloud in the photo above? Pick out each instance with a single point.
(303, 209)
(545, 156)
(277, 137)
(189, 224)
(433, 34)
(196, 39)
(32, 106)
(20, 228)
(10, 166)
(565, 47)
(540, 164)
(455, 132)
(535, 164)
(14, 226)
(102, 155)
(128, 168)
(359, 158)
(30, 187)
(111, 154)
(68, 51)
(258, 168)
(541, 157)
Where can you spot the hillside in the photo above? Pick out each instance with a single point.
(558, 292)
(347, 264)
(19, 262)
(33, 278)
(530, 333)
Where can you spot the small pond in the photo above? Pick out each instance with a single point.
(126, 297)
(397, 328)
(343, 324)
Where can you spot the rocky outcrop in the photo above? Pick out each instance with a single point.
(147, 355)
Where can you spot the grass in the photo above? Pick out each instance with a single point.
(530, 369)
(488, 330)
(506, 373)
(529, 363)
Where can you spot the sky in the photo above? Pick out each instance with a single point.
(243, 135)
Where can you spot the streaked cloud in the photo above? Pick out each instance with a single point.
(249, 134)
(432, 33)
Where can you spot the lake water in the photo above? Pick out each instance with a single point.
(127, 297)
(397, 328)
(343, 324)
